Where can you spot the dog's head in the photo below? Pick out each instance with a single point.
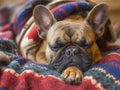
(72, 42)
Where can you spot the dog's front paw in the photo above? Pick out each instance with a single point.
(72, 75)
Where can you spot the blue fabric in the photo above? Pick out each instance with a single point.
(20, 64)
(66, 9)
(25, 12)
(111, 67)
(60, 12)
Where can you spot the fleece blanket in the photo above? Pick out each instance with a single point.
(20, 73)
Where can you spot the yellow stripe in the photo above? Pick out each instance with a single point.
(93, 2)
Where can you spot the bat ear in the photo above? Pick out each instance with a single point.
(97, 19)
(44, 19)
(110, 34)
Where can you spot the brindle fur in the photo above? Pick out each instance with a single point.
(74, 30)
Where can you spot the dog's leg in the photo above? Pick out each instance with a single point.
(40, 55)
(72, 75)
(41, 58)
(96, 53)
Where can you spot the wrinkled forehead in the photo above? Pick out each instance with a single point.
(69, 27)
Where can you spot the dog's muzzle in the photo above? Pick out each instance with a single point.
(71, 56)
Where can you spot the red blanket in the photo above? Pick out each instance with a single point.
(23, 74)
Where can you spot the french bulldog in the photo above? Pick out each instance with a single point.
(71, 46)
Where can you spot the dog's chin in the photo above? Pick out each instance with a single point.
(62, 61)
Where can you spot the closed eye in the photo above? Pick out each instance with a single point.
(58, 44)
(54, 47)
(83, 43)
(88, 45)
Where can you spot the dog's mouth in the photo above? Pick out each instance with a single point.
(71, 56)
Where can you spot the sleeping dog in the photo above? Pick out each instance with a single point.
(71, 46)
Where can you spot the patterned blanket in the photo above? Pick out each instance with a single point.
(19, 73)
(24, 74)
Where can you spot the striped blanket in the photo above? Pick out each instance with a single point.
(24, 74)
(19, 73)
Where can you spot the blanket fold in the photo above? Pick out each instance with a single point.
(21, 73)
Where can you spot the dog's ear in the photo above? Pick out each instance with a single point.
(110, 34)
(44, 19)
(97, 18)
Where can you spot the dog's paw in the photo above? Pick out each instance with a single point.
(72, 75)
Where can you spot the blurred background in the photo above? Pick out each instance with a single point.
(114, 6)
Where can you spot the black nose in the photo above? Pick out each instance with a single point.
(71, 51)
